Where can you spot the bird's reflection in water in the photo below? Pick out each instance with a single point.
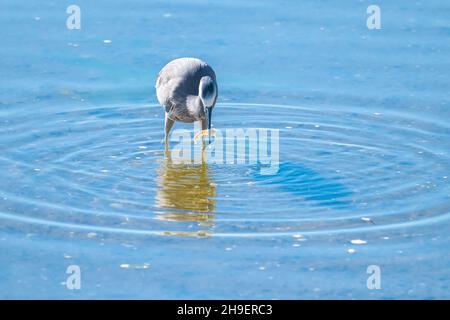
(188, 193)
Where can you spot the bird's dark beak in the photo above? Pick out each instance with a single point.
(209, 115)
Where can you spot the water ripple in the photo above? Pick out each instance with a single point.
(103, 170)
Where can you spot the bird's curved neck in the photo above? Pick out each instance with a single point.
(195, 106)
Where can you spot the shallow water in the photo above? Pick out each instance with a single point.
(363, 155)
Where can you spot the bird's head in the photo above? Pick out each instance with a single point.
(207, 92)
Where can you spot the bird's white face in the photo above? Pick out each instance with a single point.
(208, 91)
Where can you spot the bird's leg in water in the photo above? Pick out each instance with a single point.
(168, 124)
(204, 125)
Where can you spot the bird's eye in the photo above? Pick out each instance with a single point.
(209, 90)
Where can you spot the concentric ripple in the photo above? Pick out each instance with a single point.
(91, 170)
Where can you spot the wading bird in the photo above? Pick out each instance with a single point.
(187, 89)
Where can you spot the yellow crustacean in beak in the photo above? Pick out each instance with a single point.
(203, 133)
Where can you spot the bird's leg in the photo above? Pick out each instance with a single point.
(204, 123)
(204, 126)
(168, 124)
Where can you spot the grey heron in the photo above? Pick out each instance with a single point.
(187, 89)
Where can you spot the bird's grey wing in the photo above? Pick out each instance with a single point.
(173, 85)
(165, 87)
(167, 91)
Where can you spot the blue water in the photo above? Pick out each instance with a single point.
(364, 151)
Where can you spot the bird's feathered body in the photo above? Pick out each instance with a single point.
(177, 89)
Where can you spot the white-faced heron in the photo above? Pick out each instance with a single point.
(187, 89)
